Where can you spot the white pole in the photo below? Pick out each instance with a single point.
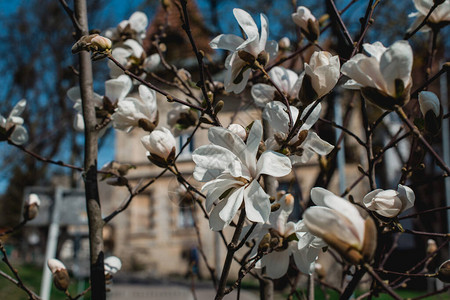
(341, 152)
(445, 141)
(52, 241)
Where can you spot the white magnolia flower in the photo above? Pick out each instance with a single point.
(306, 143)
(429, 101)
(385, 77)
(320, 76)
(239, 130)
(244, 52)
(134, 27)
(440, 15)
(133, 112)
(129, 54)
(284, 43)
(160, 144)
(285, 79)
(55, 265)
(340, 225)
(115, 90)
(307, 22)
(286, 239)
(389, 203)
(19, 134)
(231, 172)
(33, 199)
(180, 117)
(112, 265)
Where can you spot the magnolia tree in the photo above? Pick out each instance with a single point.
(239, 168)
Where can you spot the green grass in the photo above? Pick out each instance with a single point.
(31, 277)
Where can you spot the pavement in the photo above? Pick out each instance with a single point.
(173, 291)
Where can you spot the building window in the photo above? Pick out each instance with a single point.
(186, 154)
(186, 216)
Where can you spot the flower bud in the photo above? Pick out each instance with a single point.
(238, 130)
(307, 22)
(60, 275)
(162, 146)
(444, 272)
(389, 203)
(112, 265)
(101, 43)
(428, 101)
(431, 246)
(284, 43)
(31, 208)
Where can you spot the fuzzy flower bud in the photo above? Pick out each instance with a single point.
(31, 208)
(284, 43)
(238, 130)
(161, 145)
(101, 43)
(60, 275)
(390, 203)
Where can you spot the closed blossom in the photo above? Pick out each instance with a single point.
(160, 143)
(14, 121)
(389, 203)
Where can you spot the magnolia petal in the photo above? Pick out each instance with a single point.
(315, 144)
(275, 113)
(274, 164)
(304, 259)
(375, 50)
(253, 140)
(116, 89)
(217, 187)
(351, 69)
(272, 48)
(233, 203)
(312, 118)
(257, 204)
(429, 101)
(226, 41)
(74, 93)
(396, 63)
(19, 135)
(148, 98)
(247, 24)
(264, 32)
(262, 94)
(276, 263)
(215, 222)
(407, 196)
(322, 221)
(211, 161)
(135, 47)
(284, 79)
(18, 108)
(138, 21)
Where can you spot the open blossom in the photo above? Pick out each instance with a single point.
(389, 203)
(306, 143)
(244, 53)
(134, 27)
(231, 171)
(384, 77)
(115, 90)
(131, 55)
(307, 22)
(340, 225)
(440, 15)
(181, 117)
(239, 130)
(285, 239)
(19, 134)
(161, 146)
(133, 112)
(285, 79)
